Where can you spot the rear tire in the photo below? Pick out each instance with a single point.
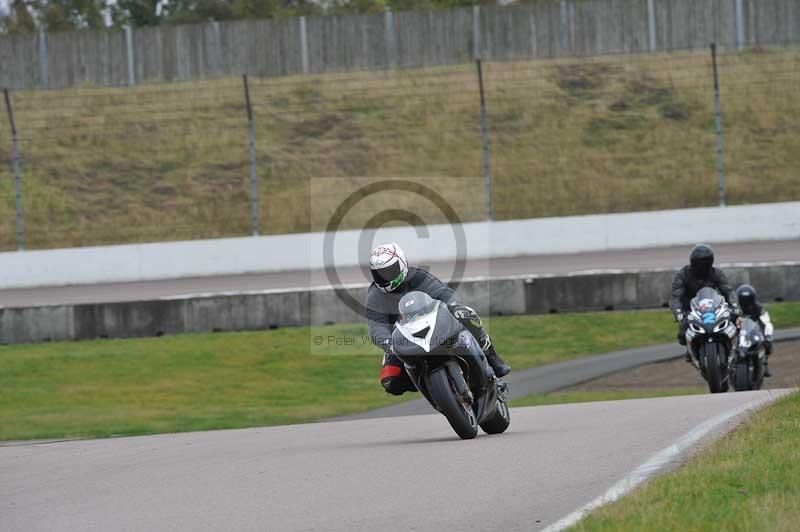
(713, 373)
(458, 413)
(500, 421)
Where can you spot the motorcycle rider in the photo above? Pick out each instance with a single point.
(699, 273)
(392, 279)
(753, 309)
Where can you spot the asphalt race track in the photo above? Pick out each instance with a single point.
(407, 473)
(768, 251)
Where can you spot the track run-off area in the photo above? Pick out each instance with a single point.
(403, 473)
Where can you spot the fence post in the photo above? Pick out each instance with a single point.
(476, 32)
(487, 176)
(251, 148)
(217, 48)
(391, 48)
(129, 50)
(17, 177)
(739, 25)
(303, 45)
(564, 27)
(718, 123)
(651, 24)
(43, 67)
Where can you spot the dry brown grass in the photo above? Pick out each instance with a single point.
(572, 136)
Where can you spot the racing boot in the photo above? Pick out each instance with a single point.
(687, 357)
(501, 369)
(767, 372)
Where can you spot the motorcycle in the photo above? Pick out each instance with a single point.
(448, 367)
(710, 338)
(747, 362)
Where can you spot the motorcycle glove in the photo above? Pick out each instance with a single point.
(464, 313)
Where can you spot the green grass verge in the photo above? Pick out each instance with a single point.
(568, 136)
(747, 482)
(559, 398)
(216, 381)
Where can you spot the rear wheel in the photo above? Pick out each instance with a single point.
(455, 406)
(500, 421)
(711, 361)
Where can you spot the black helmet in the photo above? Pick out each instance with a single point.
(701, 260)
(747, 297)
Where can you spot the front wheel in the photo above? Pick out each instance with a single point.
(500, 421)
(742, 380)
(454, 405)
(710, 354)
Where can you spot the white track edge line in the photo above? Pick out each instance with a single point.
(659, 460)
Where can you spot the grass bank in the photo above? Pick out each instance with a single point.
(216, 381)
(745, 482)
(568, 136)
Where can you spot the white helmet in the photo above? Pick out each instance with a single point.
(388, 266)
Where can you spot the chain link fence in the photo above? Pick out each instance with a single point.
(565, 136)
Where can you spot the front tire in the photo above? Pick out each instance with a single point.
(455, 407)
(713, 373)
(742, 381)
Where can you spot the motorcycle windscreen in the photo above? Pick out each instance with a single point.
(707, 300)
(750, 336)
(415, 305)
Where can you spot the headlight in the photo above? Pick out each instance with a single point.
(721, 326)
(696, 328)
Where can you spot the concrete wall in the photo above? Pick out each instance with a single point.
(272, 309)
(172, 260)
(380, 41)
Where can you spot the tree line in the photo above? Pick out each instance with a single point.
(29, 16)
